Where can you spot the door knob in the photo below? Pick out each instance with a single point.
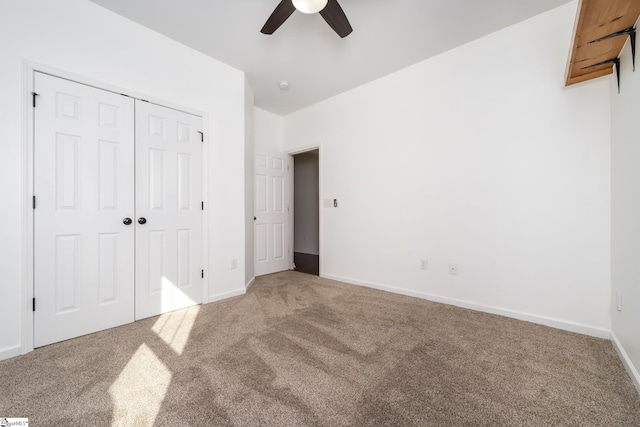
(127, 221)
(142, 220)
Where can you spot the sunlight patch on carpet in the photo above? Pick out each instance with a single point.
(175, 327)
(141, 387)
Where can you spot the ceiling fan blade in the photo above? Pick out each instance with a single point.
(280, 14)
(335, 17)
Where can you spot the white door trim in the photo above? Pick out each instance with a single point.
(27, 185)
(292, 153)
(291, 215)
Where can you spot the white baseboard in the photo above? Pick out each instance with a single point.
(9, 352)
(250, 283)
(533, 318)
(626, 361)
(225, 295)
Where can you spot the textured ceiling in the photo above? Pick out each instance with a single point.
(388, 35)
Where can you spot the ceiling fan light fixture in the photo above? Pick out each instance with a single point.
(309, 6)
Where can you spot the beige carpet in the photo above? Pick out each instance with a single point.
(300, 350)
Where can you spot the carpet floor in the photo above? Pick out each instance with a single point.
(300, 350)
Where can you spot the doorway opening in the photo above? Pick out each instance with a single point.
(306, 212)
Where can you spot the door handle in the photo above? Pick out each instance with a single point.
(127, 221)
(142, 220)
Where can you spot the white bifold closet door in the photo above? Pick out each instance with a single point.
(169, 203)
(84, 188)
(102, 163)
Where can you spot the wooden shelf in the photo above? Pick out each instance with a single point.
(596, 19)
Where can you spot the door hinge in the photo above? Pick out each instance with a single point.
(34, 304)
(34, 202)
(33, 94)
(202, 273)
(201, 136)
(202, 205)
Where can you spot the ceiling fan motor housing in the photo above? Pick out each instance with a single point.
(330, 11)
(309, 6)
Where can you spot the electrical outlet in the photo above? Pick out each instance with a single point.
(423, 264)
(453, 269)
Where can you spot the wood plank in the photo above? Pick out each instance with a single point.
(593, 75)
(596, 19)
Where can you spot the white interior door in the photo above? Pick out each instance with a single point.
(271, 211)
(168, 209)
(83, 183)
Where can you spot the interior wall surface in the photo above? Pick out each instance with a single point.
(268, 128)
(481, 158)
(625, 213)
(83, 39)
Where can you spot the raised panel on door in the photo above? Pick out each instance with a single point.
(271, 204)
(155, 179)
(185, 272)
(185, 183)
(67, 272)
(278, 241)
(83, 183)
(108, 175)
(108, 268)
(168, 197)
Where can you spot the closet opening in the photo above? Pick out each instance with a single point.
(306, 216)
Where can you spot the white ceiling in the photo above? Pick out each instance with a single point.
(387, 35)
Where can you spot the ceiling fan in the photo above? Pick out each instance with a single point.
(330, 10)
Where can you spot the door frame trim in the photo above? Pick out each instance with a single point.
(29, 68)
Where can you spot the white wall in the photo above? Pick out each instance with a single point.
(79, 37)
(479, 157)
(249, 139)
(268, 128)
(306, 204)
(625, 214)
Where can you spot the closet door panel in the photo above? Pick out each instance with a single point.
(168, 210)
(84, 188)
